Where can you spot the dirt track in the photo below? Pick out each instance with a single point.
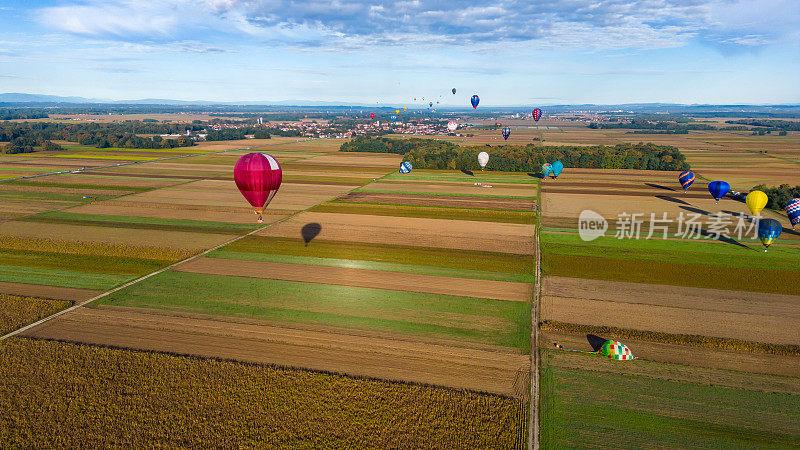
(752, 316)
(483, 368)
(377, 279)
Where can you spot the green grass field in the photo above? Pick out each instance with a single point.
(693, 264)
(471, 319)
(589, 408)
(467, 260)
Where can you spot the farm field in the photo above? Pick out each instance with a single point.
(662, 405)
(427, 278)
(373, 293)
(159, 399)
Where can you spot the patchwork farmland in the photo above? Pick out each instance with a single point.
(425, 280)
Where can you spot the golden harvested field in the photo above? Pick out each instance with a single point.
(771, 318)
(380, 279)
(454, 234)
(381, 355)
(57, 394)
(461, 188)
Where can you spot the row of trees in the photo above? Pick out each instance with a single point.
(432, 154)
(28, 145)
(642, 124)
(788, 125)
(14, 114)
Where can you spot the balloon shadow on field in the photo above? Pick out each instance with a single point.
(595, 341)
(696, 210)
(468, 172)
(671, 199)
(725, 239)
(660, 186)
(310, 231)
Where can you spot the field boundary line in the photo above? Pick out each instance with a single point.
(164, 269)
(533, 419)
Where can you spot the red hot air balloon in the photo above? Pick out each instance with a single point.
(536, 114)
(371, 115)
(258, 177)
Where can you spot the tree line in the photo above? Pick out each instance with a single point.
(434, 154)
(643, 124)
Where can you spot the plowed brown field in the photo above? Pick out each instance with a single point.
(476, 367)
(751, 316)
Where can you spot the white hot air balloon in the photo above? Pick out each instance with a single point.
(452, 126)
(483, 159)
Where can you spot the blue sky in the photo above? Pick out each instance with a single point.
(509, 52)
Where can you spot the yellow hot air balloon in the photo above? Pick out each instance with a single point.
(756, 201)
(404, 108)
(397, 111)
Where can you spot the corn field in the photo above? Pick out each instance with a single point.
(56, 394)
(94, 248)
(17, 311)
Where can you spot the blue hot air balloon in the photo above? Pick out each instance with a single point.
(394, 118)
(558, 166)
(718, 189)
(768, 231)
(475, 100)
(793, 211)
(405, 167)
(506, 132)
(686, 179)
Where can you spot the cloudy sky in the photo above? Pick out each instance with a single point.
(509, 52)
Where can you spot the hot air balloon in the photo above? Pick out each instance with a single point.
(793, 211)
(546, 169)
(536, 114)
(558, 166)
(475, 100)
(483, 159)
(430, 104)
(452, 126)
(397, 111)
(686, 179)
(405, 167)
(394, 118)
(610, 349)
(506, 133)
(768, 231)
(405, 108)
(718, 189)
(371, 115)
(756, 201)
(258, 177)
(454, 91)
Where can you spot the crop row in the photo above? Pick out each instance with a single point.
(692, 340)
(17, 311)
(56, 394)
(94, 248)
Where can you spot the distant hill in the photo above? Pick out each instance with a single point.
(15, 97)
